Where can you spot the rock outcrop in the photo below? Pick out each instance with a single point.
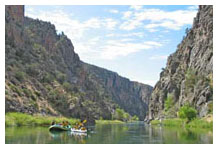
(188, 74)
(45, 75)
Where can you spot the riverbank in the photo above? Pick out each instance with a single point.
(177, 122)
(22, 119)
(109, 122)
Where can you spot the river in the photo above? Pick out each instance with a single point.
(133, 133)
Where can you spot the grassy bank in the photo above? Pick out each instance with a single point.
(196, 123)
(109, 122)
(21, 119)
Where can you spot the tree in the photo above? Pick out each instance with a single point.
(126, 116)
(135, 118)
(188, 112)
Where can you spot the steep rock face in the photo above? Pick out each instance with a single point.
(130, 96)
(15, 13)
(188, 74)
(45, 75)
(14, 30)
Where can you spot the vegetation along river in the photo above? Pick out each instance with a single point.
(134, 133)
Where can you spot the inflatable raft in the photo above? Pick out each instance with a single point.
(58, 127)
(78, 130)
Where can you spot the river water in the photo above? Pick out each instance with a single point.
(133, 133)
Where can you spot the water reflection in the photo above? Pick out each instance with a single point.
(134, 133)
(66, 136)
(173, 135)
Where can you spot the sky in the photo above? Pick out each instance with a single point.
(133, 41)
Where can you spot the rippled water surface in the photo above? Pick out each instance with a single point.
(134, 133)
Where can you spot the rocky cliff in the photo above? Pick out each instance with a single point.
(188, 77)
(45, 75)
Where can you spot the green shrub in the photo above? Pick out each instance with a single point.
(19, 75)
(32, 69)
(210, 107)
(155, 122)
(16, 89)
(199, 123)
(121, 115)
(126, 117)
(61, 77)
(191, 79)
(27, 92)
(48, 78)
(22, 119)
(175, 122)
(38, 94)
(67, 86)
(210, 77)
(108, 122)
(135, 118)
(188, 112)
(168, 102)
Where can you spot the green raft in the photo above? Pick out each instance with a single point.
(59, 128)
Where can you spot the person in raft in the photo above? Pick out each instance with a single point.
(53, 123)
(76, 126)
(80, 125)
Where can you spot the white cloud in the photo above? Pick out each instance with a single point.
(133, 34)
(195, 7)
(130, 25)
(153, 43)
(111, 35)
(152, 30)
(137, 34)
(94, 41)
(92, 23)
(149, 82)
(111, 49)
(159, 57)
(141, 79)
(29, 10)
(74, 29)
(136, 7)
(116, 48)
(113, 11)
(126, 39)
(158, 18)
(127, 14)
(110, 23)
(165, 24)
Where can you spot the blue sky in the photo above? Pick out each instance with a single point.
(133, 41)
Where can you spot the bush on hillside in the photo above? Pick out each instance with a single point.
(19, 75)
(67, 86)
(33, 69)
(61, 77)
(48, 78)
(187, 112)
(168, 102)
